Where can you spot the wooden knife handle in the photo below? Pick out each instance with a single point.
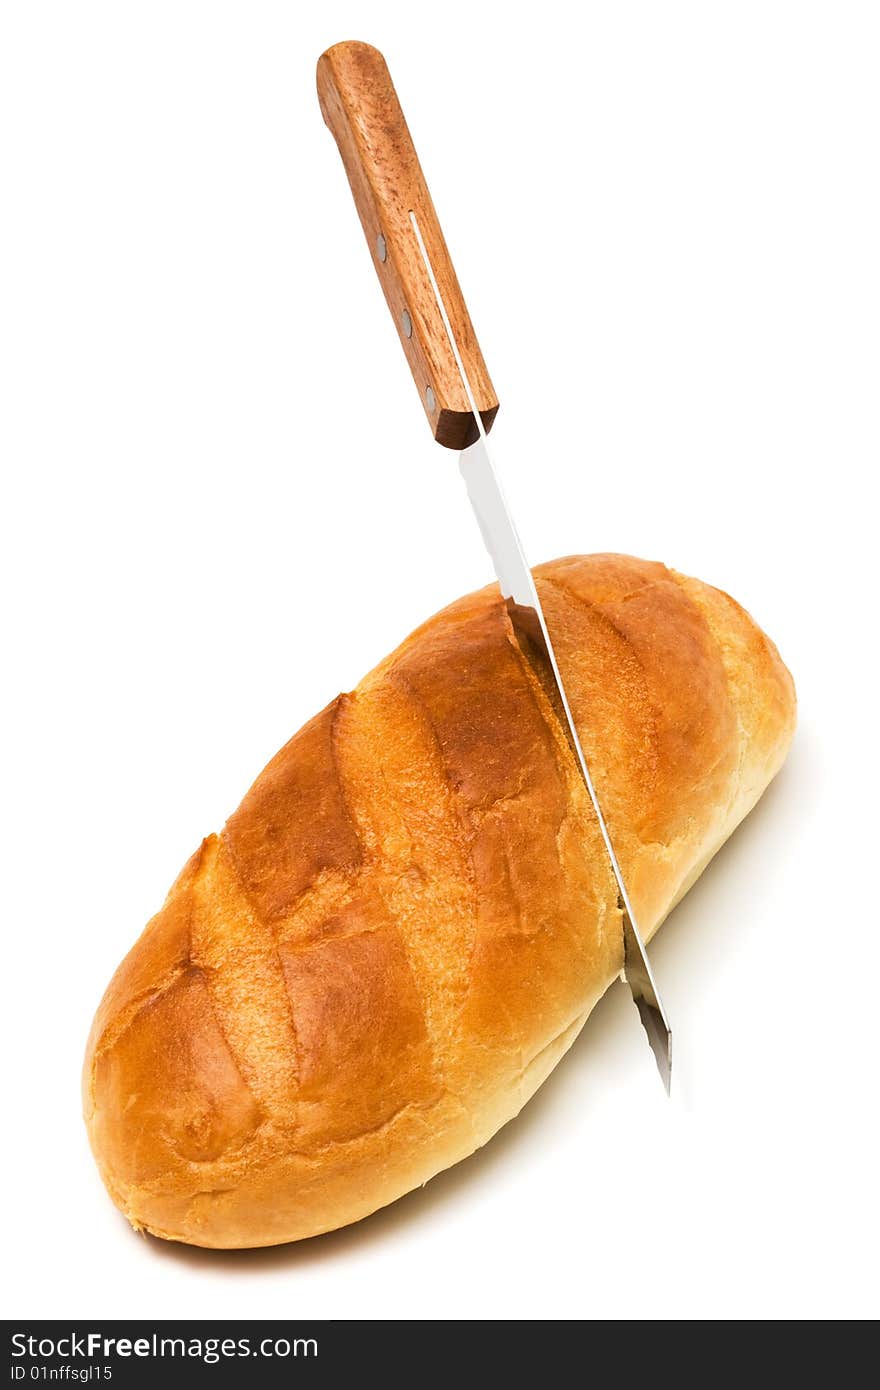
(360, 106)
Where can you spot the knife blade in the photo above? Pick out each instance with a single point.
(361, 109)
(520, 593)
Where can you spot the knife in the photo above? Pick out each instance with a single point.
(361, 109)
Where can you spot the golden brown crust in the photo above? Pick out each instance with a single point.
(277, 852)
(407, 920)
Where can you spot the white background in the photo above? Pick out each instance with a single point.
(221, 505)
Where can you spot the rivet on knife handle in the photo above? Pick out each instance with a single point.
(360, 106)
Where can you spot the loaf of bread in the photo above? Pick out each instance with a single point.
(408, 919)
